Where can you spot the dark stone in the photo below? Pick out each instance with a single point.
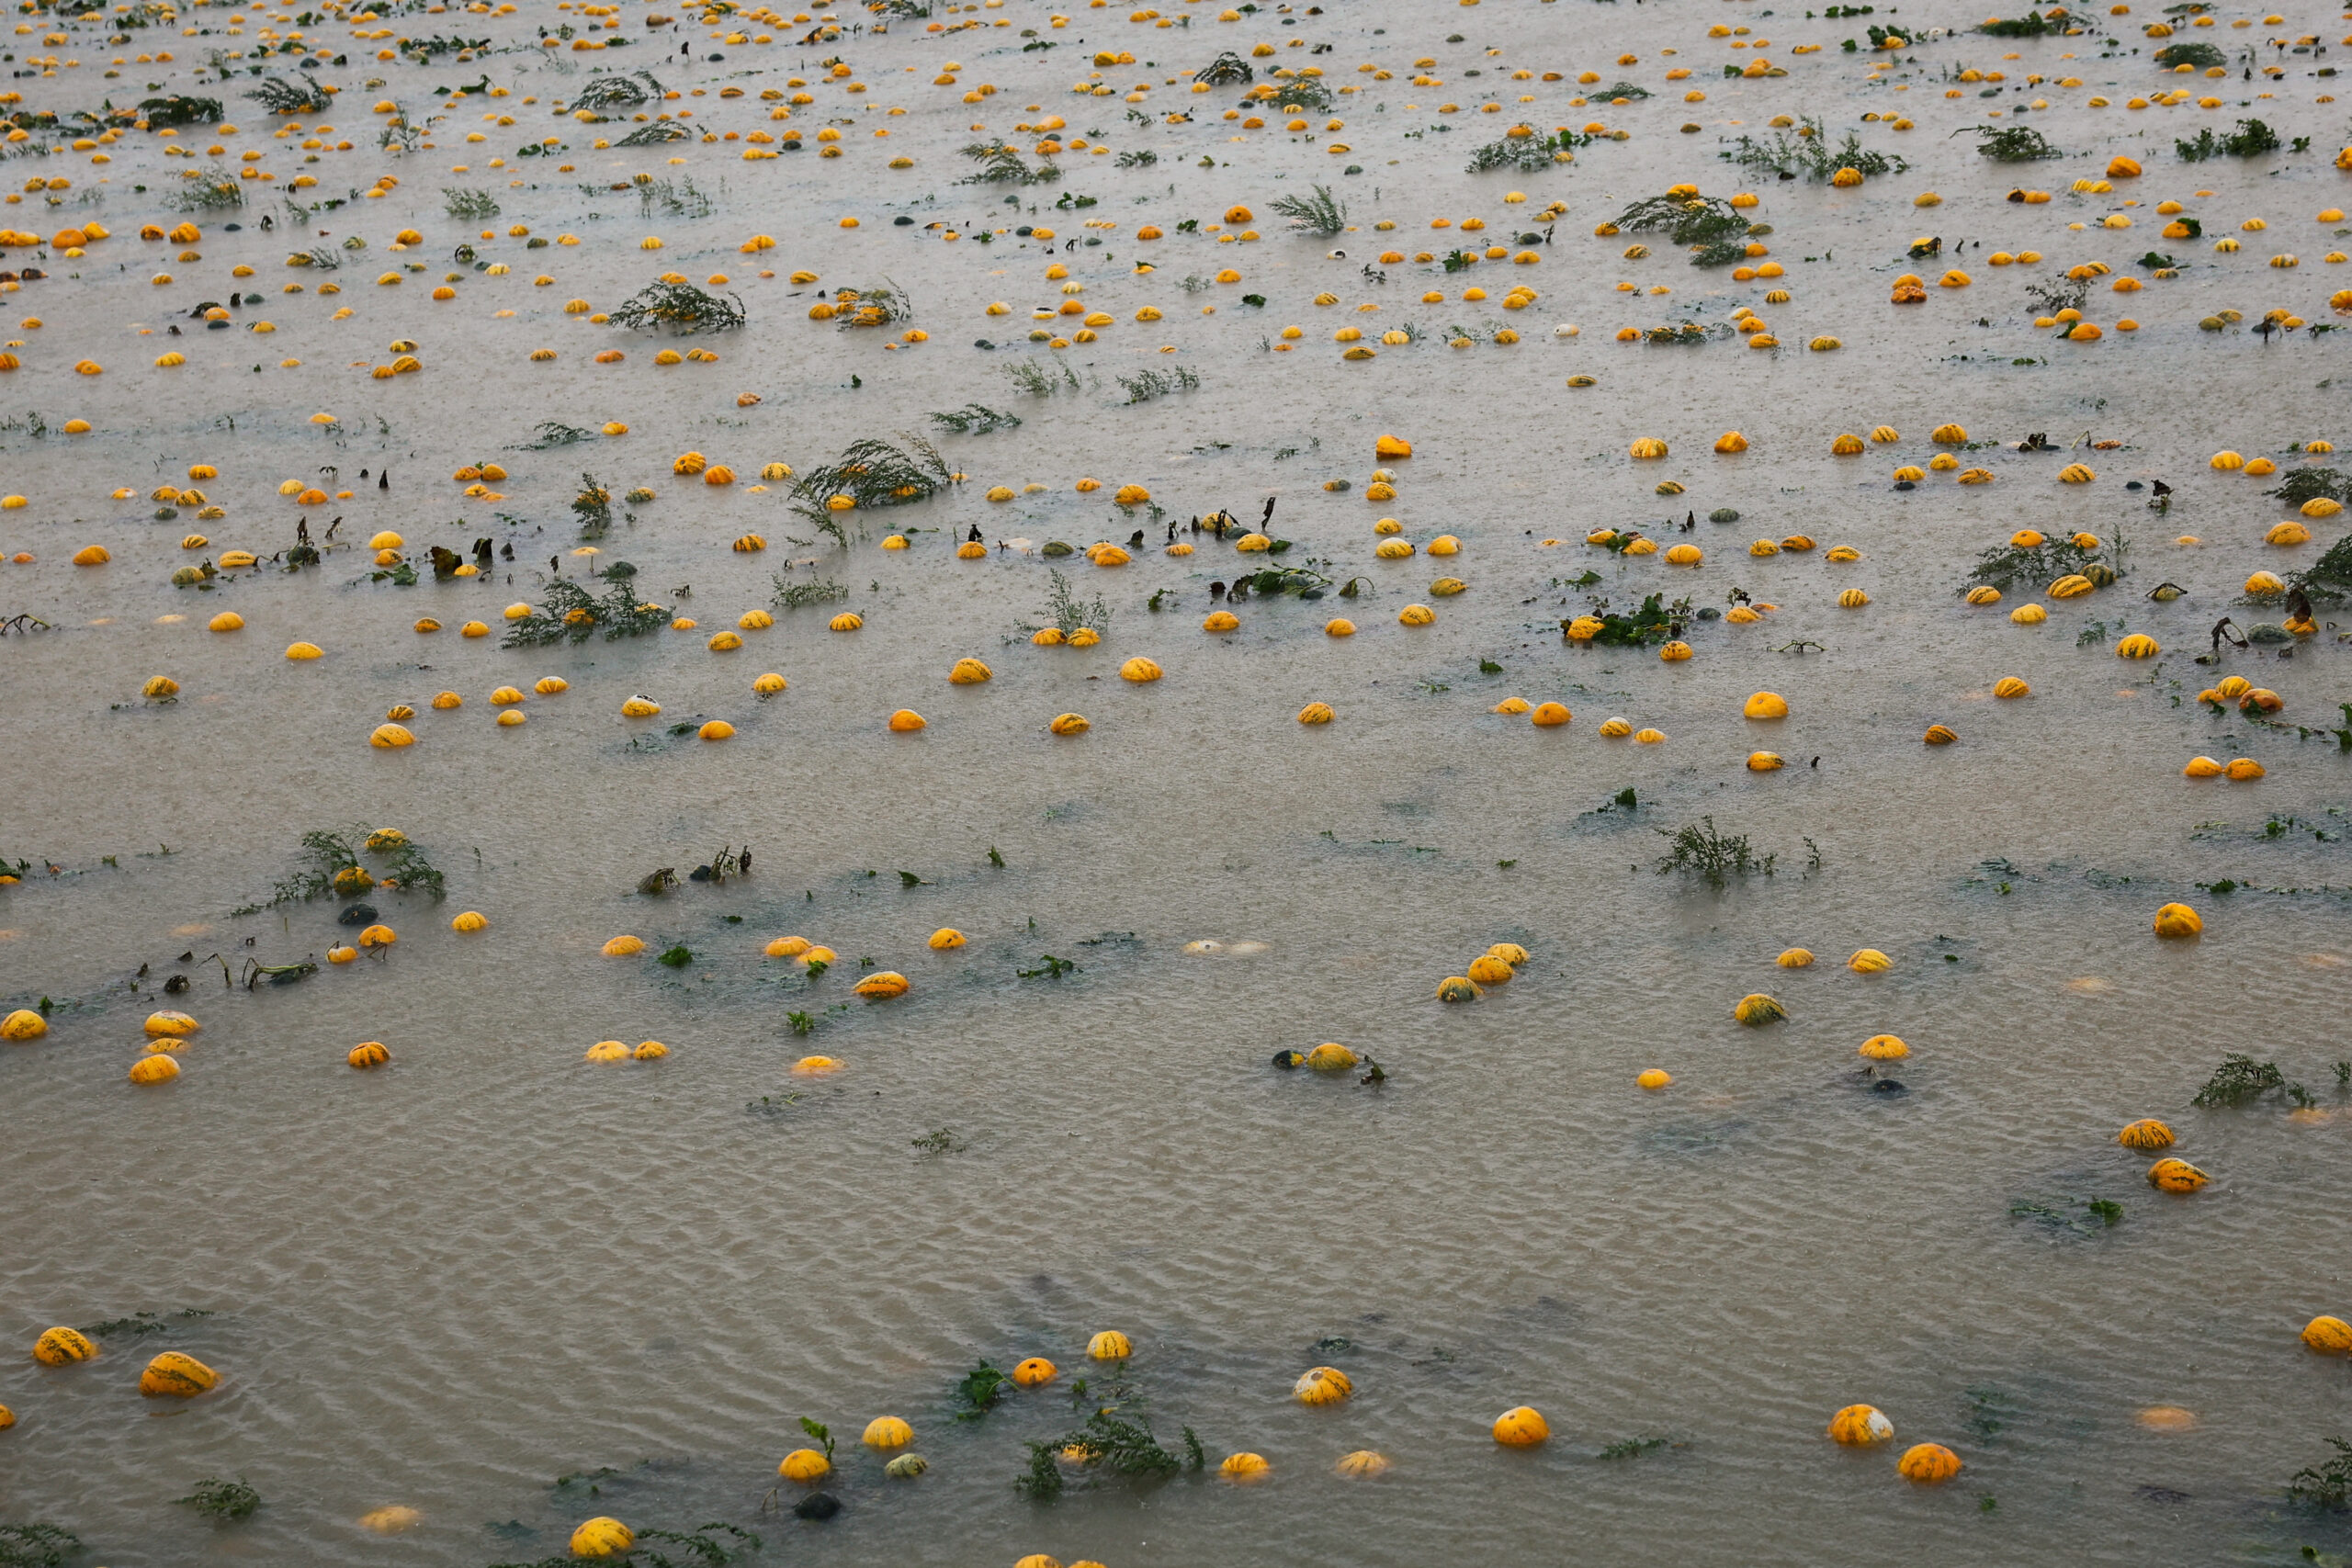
(816, 1506)
(356, 915)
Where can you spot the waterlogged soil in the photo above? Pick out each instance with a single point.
(442, 1285)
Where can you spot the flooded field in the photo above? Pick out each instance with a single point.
(514, 1273)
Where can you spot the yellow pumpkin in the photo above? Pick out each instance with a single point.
(882, 984)
(1522, 1427)
(1488, 970)
(1139, 671)
(1654, 1078)
(1928, 1464)
(1456, 988)
(601, 1537)
(2176, 1176)
(968, 672)
(1765, 704)
(1795, 958)
(1035, 1371)
(1884, 1048)
(169, 1022)
(2139, 645)
(1361, 1464)
(2147, 1134)
(1316, 713)
(2328, 1335)
(1322, 1385)
(887, 1432)
(176, 1376)
(64, 1347)
(368, 1054)
(1110, 1345)
(1244, 1469)
(1070, 723)
(906, 721)
(23, 1024)
(1861, 1425)
(1330, 1057)
(150, 1070)
(1757, 1009)
(2178, 920)
(806, 1466)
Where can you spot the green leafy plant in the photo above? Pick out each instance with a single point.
(1318, 212)
(603, 92)
(1146, 385)
(278, 96)
(1066, 613)
(219, 1499)
(654, 134)
(700, 1548)
(1042, 381)
(2011, 144)
(1108, 1446)
(569, 612)
(327, 854)
(2327, 1485)
(2040, 564)
(2033, 23)
(162, 113)
(1001, 163)
(1528, 154)
(37, 1546)
(683, 307)
(1305, 93)
(1651, 623)
(819, 1435)
(2327, 581)
(212, 190)
(975, 419)
(981, 1388)
(790, 595)
(2251, 139)
(930, 1145)
(1715, 858)
(1226, 70)
(2203, 56)
(593, 507)
(1805, 152)
(468, 204)
(873, 474)
(2238, 1079)
(680, 197)
(1633, 1448)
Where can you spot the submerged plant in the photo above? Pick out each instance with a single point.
(1001, 165)
(618, 91)
(1806, 153)
(791, 595)
(875, 307)
(1107, 1445)
(1041, 380)
(1065, 611)
(468, 205)
(278, 96)
(2011, 144)
(975, 419)
(2033, 23)
(1226, 70)
(2043, 563)
(1143, 386)
(2239, 1078)
(164, 113)
(683, 307)
(1715, 858)
(331, 864)
(2251, 139)
(2203, 56)
(206, 190)
(572, 614)
(1526, 154)
(981, 1388)
(219, 1499)
(2327, 1485)
(2327, 581)
(869, 475)
(1319, 212)
(654, 134)
(37, 1546)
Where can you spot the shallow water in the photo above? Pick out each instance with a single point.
(445, 1285)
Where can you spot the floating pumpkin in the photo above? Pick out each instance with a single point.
(1035, 1371)
(23, 1024)
(1757, 1009)
(1521, 1428)
(882, 985)
(173, 1375)
(2174, 920)
(2176, 1176)
(887, 1432)
(2146, 1135)
(62, 1346)
(1245, 1467)
(368, 1054)
(1322, 1385)
(1362, 1464)
(1861, 1425)
(2328, 1335)
(1110, 1345)
(1928, 1464)
(601, 1537)
(806, 1466)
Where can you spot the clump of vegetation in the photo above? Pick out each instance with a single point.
(178, 110)
(975, 419)
(2238, 1079)
(1001, 165)
(212, 190)
(1040, 380)
(2325, 1485)
(37, 1546)
(555, 432)
(1318, 212)
(2033, 23)
(572, 614)
(680, 197)
(1226, 70)
(930, 1145)
(1633, 1448)
(1136, 158)
(2203, 56)
(1067, 613)
(1653, 621)
(2040, 564)
(1146, 385)
(683, 307)
(1526, 154)
(1711, 226)
(2250, 138)
(1302, 93)
(979, 1389)
(1805, 154)
(2012, 145)
(870, 474)
(1715, 858)
(1616, 90)
(2311, 484)
(219, 1499)
(468, 206)
(1109, 1446)
(654, 134)
(2327, 581)
(2059, 1215)
(617, 91)
(331, 866)
(883, 307)
(791, 595)
(278, 95)
(700, 1548)
(593, 507)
